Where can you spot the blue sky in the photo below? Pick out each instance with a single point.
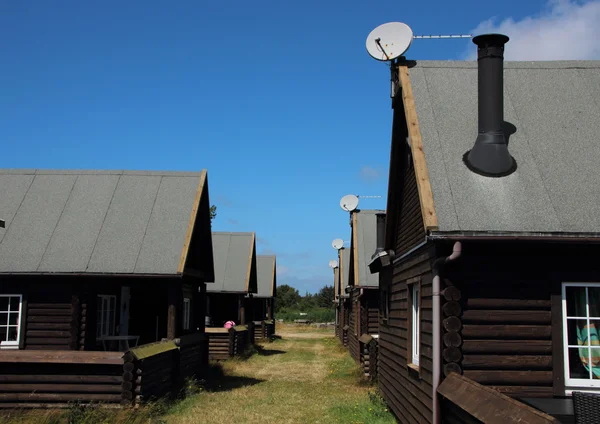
(277, 99)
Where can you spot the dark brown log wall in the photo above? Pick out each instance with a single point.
(407, 391)
(370, 311)
(354, 325)
(410, 230)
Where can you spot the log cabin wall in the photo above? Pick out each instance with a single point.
(354, 324)
(502, 310)
(407, 391)
(370, 311)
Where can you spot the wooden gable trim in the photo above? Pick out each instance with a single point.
(430, 220)
(191, 223)
(356, 274)
(249, 271)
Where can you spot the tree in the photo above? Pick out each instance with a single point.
(325, 297)
(286, 297)
(213, 212)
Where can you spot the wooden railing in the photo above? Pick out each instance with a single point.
(225, 343)
(54, 378)
(464, 401)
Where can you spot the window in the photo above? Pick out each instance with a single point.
(106, 308)
(186, 313)
(581, 326)
(10, 320)
(413, 324)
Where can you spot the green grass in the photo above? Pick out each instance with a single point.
(313, 314)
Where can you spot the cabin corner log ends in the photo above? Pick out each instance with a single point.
(452, 325)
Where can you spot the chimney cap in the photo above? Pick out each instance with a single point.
(493, 39)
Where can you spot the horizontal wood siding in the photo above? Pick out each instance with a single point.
(50, 323)
(407, 392)
(30, 378)
(410, 230)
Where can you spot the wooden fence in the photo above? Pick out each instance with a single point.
(463, 401)
(264, 329)
(35, 378)
(368, 355)
(225, 343)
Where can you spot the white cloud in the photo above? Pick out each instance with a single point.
(368, 173)
(565, 30)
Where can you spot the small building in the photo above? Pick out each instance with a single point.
(96, 261)
(363, 286)
(262, 304)
(235, 278)
(492, 231)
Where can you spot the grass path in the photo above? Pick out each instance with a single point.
(304, 377)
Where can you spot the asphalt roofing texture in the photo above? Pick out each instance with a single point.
(233, 253)
(124, 222)
(266, 275)
(555, 107)
(366, 236)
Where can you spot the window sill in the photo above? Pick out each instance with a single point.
(413, 371)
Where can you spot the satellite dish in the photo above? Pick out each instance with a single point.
(349, 202)
(333, 264)
(389, 41)
(337, 244)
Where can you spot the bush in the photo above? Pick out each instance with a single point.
(313, 314)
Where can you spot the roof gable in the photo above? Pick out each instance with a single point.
(363, 245)
(97, 222)
(554, 107)
(266, 276)
(235, 262)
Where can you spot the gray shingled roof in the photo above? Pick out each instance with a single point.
(362, 246)
(235, 262)
(266, 276)
(121, 222)
(555, 107)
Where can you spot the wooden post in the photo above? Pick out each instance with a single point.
(174, 324)
(199, 306)
(75, 322)
(231, 341)
(242, 310)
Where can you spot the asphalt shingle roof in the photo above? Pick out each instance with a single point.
(235, 262)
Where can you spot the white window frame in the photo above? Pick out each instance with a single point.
(416, 325)
(187, 307)
(15, 343)
(103, 324)
(571, 383)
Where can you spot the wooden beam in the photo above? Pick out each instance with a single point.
(489, 405)
(191, 223)
(430, 220)
(61, 357)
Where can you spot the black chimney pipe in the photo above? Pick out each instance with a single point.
(489, 156)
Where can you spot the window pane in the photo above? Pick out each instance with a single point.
(3, 318)
(576, 301)
(594, 301)
(578, 360)
(577, 331)
(3, 332)
(3, 303)
(13, 318)
(14, 303)
(12, 334)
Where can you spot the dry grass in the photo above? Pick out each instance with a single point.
(305, 377)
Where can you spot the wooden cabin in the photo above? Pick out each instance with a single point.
(262, 304)
(96, 261)
(363, 286)
(235, 279)
(492, 240)
(342, 297)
